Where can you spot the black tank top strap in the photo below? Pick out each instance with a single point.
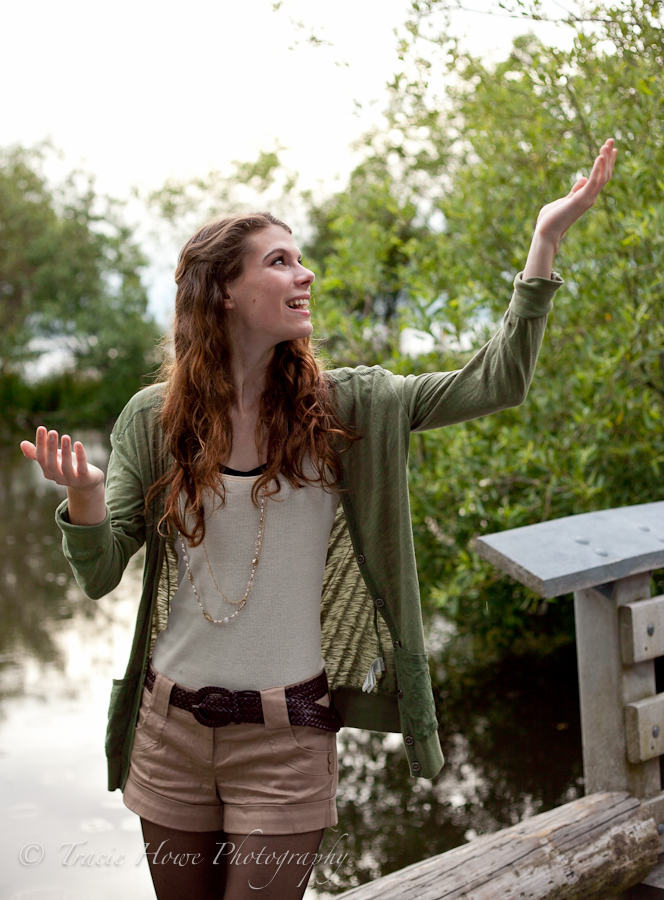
(226, 470)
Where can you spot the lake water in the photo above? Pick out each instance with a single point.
(511, 735)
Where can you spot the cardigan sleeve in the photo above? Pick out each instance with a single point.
(497, 377)
(98, 554)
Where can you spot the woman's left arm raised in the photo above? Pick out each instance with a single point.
(499, 374)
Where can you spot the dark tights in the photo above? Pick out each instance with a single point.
(182, 864)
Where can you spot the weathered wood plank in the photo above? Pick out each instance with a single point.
(542, 858)
(606, 686)
(642, 630)
(644, 728)
(579, 552)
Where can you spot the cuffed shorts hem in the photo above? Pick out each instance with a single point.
(292, 818)
(171, 813)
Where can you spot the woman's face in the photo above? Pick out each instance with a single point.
(270, 299)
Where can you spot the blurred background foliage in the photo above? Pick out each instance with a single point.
(70, 288)
(423, 243)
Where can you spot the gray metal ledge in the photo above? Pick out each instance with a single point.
(583, 551)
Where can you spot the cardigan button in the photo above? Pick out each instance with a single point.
(400, 695)
(416, 766)
(409, 740)
(380, 602)
(361, 558)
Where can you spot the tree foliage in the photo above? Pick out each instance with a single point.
(440, 216)
(186, 203)
(69, 279)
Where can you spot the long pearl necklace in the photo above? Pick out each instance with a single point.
(254, 566)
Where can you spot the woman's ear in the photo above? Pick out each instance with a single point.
(229, 303)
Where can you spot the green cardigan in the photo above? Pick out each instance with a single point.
(370, 606)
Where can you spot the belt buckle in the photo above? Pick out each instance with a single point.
(212, 716)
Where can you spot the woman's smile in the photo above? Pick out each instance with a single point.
(300, 305)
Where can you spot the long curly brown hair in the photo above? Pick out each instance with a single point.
(296, 414)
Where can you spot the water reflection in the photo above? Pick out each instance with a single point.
(58, 653)
(37, 589)
(511, 735)
(512, 742)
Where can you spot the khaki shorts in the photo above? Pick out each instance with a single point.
(276, 777)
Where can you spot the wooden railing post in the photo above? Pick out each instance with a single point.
(607, 685)
(606, 559)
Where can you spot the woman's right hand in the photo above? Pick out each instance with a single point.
(61, 465)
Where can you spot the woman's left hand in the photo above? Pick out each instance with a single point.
(555, 218)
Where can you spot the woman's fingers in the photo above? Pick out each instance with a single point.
(600, 164)
(604, 162)
(81, 460)
(28, 449)
(52, 455)
(44, 451)
(66, 463)
(600, 174)
(612, 160)
(40, 446)
(597, 178)
(581, 182)
(55, 463)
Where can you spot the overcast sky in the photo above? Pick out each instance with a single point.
(137, 90)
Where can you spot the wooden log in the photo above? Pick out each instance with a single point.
(589, 849)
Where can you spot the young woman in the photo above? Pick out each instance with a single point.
(280, 596)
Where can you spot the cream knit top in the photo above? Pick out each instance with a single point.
(276, 638)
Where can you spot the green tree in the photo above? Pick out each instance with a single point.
(185, 204)
(69, 277)
(453, 185)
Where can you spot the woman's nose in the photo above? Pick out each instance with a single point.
(306, 276)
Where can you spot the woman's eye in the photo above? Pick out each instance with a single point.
(278, 259)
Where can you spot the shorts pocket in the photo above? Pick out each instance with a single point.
(149, 725)
(311, 751)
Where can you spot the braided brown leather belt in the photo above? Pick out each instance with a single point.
(217, 706)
